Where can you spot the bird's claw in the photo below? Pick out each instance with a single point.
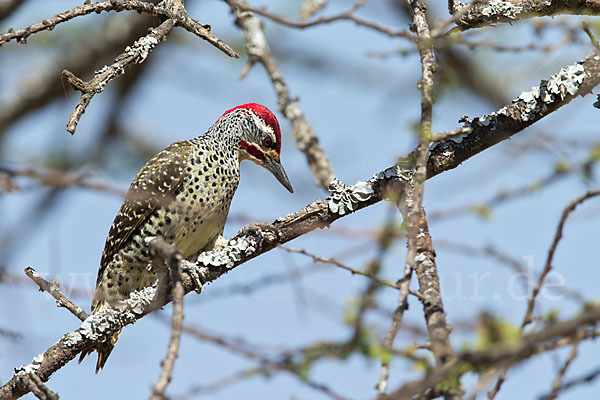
(193, 271)
(260, 230)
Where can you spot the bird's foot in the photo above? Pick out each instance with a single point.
(195, 272)
(262, 231)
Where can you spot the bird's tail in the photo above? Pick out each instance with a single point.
(104, 349)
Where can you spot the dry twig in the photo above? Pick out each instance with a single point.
(53, 288)
(332, 261)
(347, 15)
(547, 267)
(259, 51)
(58, 178)
(133, 55)
(166, 257)
(177, 14)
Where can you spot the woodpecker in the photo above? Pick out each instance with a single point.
(183, 194)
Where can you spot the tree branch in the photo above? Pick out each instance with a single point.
(500, 355)
(503, 11)
(167, 257)
(575, 80)
(258, 50)
(53, 288)
(321, 213)
(135, 54)
(547, 267)
(348, 15)
(180, 16)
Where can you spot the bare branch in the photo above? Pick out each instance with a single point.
(348, 15)
(165, 253)
(420, 254)
(133, 55)
(37, 91)
(483, 208)
(268, 364)
(180, 16)
(558, 380)
(259, 51)
(452, 134)
(38, 388)
(575, 80)
(500, 355)
(332, 261)
(58, 178)
(53, 288)
(587, 378)
(8, 6)
(586, 29)
(548, 265)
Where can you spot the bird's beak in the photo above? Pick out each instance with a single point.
(277, 170)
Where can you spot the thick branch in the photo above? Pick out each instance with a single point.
(502, 11)
(575, 80)
(420, 255)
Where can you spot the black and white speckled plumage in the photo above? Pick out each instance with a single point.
(182, 194)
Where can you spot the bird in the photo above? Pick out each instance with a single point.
(183, 194)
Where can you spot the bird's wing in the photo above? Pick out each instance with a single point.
(155, 185)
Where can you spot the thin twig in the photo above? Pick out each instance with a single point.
(463, 130)
(59, 178)
(332, 261)
(133, 55)
(53, 288)
(558, 380)
(268, 365)
(587, 378)
(397, 317)
(165, 255)
(484, 208)
(547, 267)
(179, 15)
(500, 355)
(344, 16)
(586, 29)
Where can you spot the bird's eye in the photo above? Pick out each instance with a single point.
(267, 142)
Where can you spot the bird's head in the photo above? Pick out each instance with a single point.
(260, 139)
